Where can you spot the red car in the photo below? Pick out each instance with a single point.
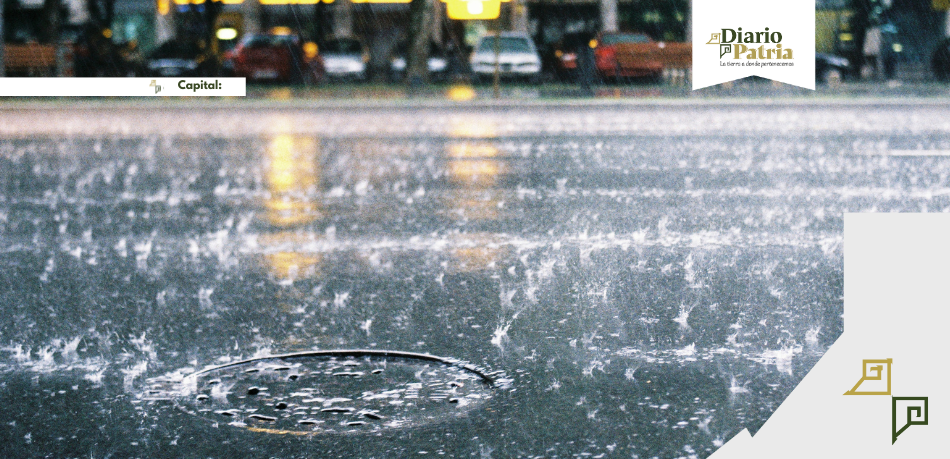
(276, 57)
(627, 54)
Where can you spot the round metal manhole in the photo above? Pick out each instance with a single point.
(352, 391)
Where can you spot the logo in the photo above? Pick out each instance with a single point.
(877, 374)
(916, 414)
(734, 39)
(158, 87)
(874, 370)
(194, 87)
(741, 49)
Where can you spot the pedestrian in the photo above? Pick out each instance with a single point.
(872, 53)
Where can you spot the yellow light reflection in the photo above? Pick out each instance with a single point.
(472, 128)
(289, 258)
(476, 252)
(293, 176)
(460, 93)
(474, 171)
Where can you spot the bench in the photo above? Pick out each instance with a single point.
(674, 58)
(30, 59)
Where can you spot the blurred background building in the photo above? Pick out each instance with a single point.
(113, 37)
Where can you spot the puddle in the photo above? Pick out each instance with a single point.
(327, 392)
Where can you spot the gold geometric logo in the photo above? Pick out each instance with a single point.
(876, 378)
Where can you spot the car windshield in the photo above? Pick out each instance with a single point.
(614, 39)
(176, 50)
(343, 46)
(263, 41)
(505, 45)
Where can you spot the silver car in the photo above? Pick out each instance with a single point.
(517, 57)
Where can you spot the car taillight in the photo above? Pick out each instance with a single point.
(604, 53)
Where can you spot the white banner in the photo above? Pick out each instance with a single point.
(734, 39)
(96, 87)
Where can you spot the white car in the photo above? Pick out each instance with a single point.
(517, 57)
(345, 58)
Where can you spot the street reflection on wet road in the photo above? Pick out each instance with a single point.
(642, 295)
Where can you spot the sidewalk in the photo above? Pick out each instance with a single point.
(746, 88)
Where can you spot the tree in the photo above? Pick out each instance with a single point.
(420, 26)
(859, 24)
(51, 19)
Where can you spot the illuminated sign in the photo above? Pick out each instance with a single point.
(474, 9)
(199, 2)
(227, 33)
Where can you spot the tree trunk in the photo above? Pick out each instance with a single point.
(50, 32)
(859, 28)
(417, 54)
(2, 63)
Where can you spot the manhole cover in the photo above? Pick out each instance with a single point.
(348, 391)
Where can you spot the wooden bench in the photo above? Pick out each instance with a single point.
(30, 59)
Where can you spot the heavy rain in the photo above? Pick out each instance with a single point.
(639, 280)
(401, 244)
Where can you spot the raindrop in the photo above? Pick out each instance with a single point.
(337, 409)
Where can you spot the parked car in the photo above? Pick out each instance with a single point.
(517, 57)
(437, 62)
(562, 58)
(180, 59)
(829, 67)
(627, 54)
(345, 58)
(275, 57)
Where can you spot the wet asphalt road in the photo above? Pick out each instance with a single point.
(638, 280)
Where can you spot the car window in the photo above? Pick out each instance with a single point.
(175, 50)
(505, 45)
(345, 46)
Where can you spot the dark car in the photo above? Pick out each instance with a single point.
(437, 63)
(180, 59)
(562, 58)
(275, 57)
(829, 67)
